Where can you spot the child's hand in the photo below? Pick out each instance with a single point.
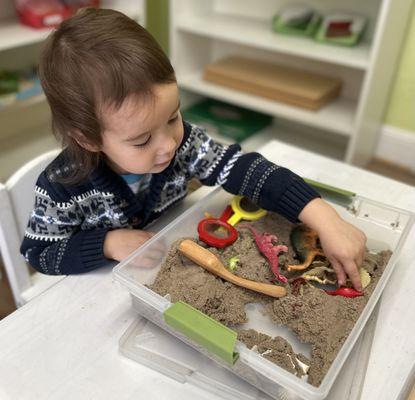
(343, 243)
(120, 243)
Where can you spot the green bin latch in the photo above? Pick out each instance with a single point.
(211, 334)
(332, 193)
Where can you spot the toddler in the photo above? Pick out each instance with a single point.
(128, 155)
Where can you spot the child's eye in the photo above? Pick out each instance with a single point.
(143, 144)
(174, 119)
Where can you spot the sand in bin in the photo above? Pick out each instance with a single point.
(316, 318)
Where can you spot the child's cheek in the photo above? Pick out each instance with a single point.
(180, 134)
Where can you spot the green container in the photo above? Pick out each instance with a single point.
(9, 82)
(231, 121)
(307, 28)
(350, 40)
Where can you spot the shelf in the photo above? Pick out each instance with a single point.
(337, 117)
(20, 104)
(13, 34)
(258, 34)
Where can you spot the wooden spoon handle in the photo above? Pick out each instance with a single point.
(210, 262)
(201, 256)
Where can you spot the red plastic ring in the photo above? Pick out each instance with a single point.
(214, 241)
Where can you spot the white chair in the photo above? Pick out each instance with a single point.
(16, 202)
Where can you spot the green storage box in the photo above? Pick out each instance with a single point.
(351, 40)
(230, 121)
(305, 29)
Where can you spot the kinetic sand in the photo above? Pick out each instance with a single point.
(315, 317)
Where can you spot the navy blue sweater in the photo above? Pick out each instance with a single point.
(67, 227)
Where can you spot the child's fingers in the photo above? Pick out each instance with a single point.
(341, 276)
(154, 254)
(360, 258)
(159, 245)
(157, 248)
(362, 251)
(148, 260)
(144, 262)
(353, 273)
(146, 234)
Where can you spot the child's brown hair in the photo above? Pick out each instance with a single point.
(96, 58)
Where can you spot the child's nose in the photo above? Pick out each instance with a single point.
(168, 144)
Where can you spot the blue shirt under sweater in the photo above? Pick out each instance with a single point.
(67, 227)
(139, 184)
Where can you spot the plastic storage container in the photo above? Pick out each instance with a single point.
(386, 228)
(236, 123)
(153, 347)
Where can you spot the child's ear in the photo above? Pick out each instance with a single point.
(84, 143)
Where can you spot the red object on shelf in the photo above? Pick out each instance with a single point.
(339, 28)
(49, 13)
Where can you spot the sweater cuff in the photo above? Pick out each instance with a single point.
(92, 249)
(295, 198)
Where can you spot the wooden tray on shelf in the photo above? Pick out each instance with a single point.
(285, 84)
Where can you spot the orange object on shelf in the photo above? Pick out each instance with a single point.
(276, 82)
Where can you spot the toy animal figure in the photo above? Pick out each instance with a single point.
(267, 246)
(304, 241)
(321, 274)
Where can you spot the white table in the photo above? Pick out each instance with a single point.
(64, 344)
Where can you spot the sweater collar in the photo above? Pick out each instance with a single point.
(104, 179)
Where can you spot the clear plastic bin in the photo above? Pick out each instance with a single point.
(151, 346)
(386, 228)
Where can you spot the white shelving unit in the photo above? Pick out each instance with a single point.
(338, 115)
(202, 31)
(25, 126)
(13, 34)
(234, 29)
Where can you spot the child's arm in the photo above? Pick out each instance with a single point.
(271, 186)
(54, 242)
(274, 188)
(74, 253)
(120, 243)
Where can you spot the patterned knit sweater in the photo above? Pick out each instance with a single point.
(68, 224)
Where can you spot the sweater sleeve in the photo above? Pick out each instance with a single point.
(271, 186)
(54, 243)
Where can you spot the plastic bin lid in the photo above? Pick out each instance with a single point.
(150, 345)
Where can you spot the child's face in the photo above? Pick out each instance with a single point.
(142, 136)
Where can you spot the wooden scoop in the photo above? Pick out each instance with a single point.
(211, 263)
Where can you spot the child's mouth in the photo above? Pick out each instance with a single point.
(163, 164)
